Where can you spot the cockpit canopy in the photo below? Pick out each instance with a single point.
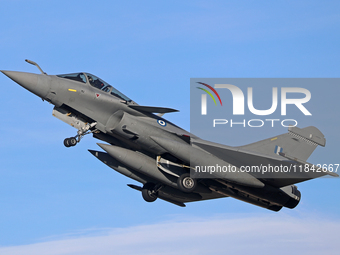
(95, 82)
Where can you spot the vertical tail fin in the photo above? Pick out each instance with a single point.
(298, 143)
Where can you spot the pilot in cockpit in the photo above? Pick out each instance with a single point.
(95, 83)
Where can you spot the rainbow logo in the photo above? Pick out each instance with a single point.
(209, 93)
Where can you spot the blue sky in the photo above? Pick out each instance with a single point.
(61, 199)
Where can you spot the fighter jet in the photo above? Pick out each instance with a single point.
(164, 158)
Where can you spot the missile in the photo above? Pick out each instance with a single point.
(198, 157)
(140, 163)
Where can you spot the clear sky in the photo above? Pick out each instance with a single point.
(57, 200)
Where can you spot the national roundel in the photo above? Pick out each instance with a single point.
(161, 122)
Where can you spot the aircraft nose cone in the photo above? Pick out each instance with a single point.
(35, 83)
(22, 78)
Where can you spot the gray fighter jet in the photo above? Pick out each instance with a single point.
(171, 163)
